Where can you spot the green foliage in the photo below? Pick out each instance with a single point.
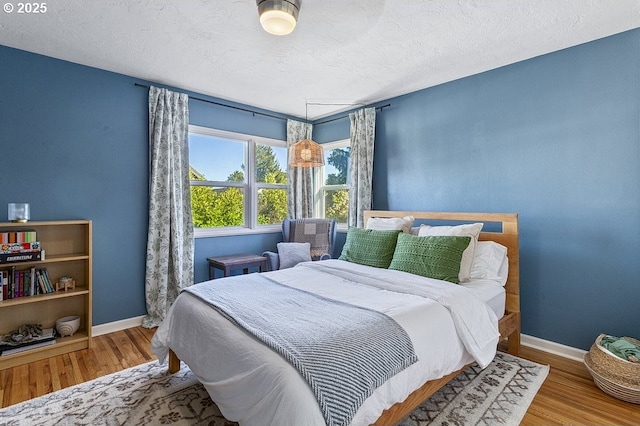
(339, 159)
(212, 207)
(201, 205)
(267, 164)
(337, 205)
(337, 202)
(236, 176)
(272, 206)
(229, 206)
(272, 203)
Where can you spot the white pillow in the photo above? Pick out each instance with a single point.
(470, 230)
(391, 223)
(291, 254)
(490, 262)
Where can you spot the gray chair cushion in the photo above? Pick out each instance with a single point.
(291, 254)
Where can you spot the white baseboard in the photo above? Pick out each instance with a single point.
(110, 327)
(552, 347)
(526, 340)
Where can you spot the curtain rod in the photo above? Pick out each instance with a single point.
(258, 112)
(224, 105)
(347, 115)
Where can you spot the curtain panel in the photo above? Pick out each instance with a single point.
(299, 179)
(170, 246)
(362, 134)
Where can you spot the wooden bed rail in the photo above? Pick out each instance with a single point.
(174, 362)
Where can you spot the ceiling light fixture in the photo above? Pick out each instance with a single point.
(278, 17)
(305, 152)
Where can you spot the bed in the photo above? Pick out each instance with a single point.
(253, 384)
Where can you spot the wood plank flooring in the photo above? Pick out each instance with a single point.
(568, 396)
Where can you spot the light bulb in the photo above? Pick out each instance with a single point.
(277, 22)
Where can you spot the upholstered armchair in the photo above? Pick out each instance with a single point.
(319, 233)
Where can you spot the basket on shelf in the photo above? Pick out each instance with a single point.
(613, 375)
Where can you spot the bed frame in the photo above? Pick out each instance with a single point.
(509, 324)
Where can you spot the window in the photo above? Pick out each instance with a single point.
(332, 200)
(238, 182)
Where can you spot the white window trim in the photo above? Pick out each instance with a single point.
(251, 187)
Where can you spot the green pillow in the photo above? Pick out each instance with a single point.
(369, 247)
(433, 256)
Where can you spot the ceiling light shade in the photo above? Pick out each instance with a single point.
(306, 153)
(278, 17)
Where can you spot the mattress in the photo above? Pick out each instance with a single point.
(253, 385)
(490, 292)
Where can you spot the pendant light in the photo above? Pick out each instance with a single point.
(306, 153)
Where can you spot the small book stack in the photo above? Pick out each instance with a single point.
(19, 246)
(9, 344)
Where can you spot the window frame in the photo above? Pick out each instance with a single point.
(249, 186)
(319, 194)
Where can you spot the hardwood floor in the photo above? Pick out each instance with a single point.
(568, 396)
(110, 353)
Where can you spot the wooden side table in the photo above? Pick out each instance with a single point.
(235, 261)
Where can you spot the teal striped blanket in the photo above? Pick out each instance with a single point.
(343, 351)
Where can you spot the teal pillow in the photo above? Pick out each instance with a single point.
(433, 256)
(369, 247)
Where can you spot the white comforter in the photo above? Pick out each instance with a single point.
(253, 385)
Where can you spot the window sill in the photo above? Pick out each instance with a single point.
(230, 232)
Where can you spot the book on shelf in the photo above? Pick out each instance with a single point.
(41, 286)
(22, 256)
(24, 236)
(19, 279)
(33, 289)
(38, 344)
(10, 248)
(8, 346)
(43, 281)
(47, 280)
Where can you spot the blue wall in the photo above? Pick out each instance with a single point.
(74, 144)
(555, 139)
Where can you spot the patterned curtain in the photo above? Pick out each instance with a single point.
(363, 132)
(170, 237)
(300, 179)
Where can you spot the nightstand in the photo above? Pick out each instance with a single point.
(235, 261)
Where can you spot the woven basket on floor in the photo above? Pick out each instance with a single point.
(615, 376)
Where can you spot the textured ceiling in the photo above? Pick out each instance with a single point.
(341, 51)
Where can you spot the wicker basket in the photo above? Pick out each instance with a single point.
(615, 376)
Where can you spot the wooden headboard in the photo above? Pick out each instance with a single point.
(507, 236)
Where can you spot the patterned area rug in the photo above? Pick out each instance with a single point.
(147, 395)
